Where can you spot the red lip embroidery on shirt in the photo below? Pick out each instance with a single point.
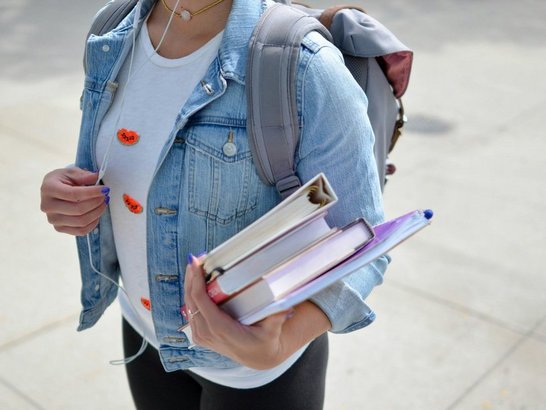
(132, 204)
(128, 137)
(146, 303)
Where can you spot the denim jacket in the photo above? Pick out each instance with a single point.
(200, 195)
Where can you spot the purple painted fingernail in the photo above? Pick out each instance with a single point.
(105, 190)
(106, 199)
(190, 258)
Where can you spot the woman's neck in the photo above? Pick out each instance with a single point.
(184, 37)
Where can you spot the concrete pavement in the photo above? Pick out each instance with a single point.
(462, 313)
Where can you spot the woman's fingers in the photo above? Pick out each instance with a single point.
(257, 346)
(208, 323)
(61, 207)
(72, 185)
(199, 328)
(71, 201)
(200, 299)
(77, 231)
(78, 218)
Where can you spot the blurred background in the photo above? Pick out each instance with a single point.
(462, 312)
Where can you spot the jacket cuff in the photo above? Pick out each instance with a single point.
(343, 302)
(332, 301)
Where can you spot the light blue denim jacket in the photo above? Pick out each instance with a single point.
(199, 196)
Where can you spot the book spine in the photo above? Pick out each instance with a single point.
(216, 293)
(249, 300)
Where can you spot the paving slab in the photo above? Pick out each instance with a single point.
(12, 400)
(43, 39)
(484, 249)
(460, 85)
(62, 369)
(540, 331)
(40, 274)
(420, 354)
(516, 383)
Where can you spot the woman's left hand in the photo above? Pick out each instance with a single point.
(263, 345)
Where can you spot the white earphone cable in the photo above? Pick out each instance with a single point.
(130, 76)
(106, 157)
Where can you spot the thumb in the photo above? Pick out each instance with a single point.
(82, 177)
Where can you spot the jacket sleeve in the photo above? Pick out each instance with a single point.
(337, 139)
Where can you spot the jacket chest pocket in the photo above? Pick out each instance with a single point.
(222, 180)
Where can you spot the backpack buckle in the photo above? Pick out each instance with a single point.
(288, 185)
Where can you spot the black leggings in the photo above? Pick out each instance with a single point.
(301, 387)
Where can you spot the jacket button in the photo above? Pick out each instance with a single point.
(179, 138)
(164, 211)
(178, 359)
(230, 149)
(106, 48)
(207, 87)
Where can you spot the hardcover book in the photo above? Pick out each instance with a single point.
(291, 253)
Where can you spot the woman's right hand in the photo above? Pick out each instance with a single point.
(71, 200)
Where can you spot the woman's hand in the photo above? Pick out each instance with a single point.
(71, 201)
(263, 345)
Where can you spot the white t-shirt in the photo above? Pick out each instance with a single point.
(146, 107)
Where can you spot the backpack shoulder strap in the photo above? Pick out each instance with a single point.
(109, 17)
(272, 120)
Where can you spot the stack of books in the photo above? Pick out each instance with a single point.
(291, 253)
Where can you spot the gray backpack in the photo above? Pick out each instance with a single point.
(378, 61)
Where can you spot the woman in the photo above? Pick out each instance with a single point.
(158, 112)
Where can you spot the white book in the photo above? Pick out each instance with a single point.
(311, 199)
(300, 268)
(267, 259)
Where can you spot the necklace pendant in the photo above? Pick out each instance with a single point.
(185, 15)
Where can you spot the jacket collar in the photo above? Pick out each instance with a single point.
(233, 50)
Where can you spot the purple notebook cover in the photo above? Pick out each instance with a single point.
(387, 236)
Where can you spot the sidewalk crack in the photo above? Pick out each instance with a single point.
(35, 333)
(20, 394)
(528, 335)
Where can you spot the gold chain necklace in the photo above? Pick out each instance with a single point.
(187, 15)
